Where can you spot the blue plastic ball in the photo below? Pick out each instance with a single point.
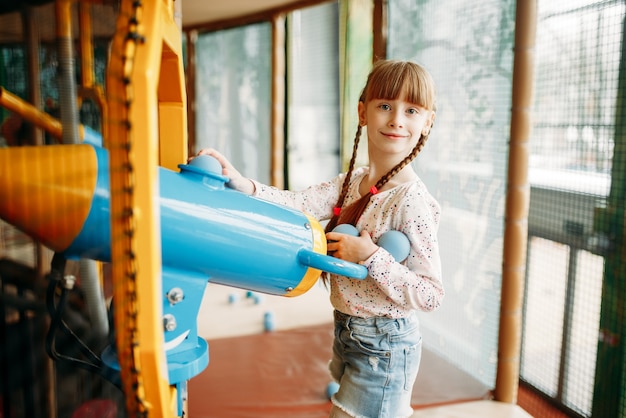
(268, 321)
(346, 229)
(396, 243)
(331, 389)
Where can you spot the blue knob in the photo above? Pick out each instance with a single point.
(207, 163)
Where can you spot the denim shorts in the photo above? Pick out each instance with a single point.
(375, 361)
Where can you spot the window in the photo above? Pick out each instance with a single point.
(233, 76)
(313, 96)
(467, 47)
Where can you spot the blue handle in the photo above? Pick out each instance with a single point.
(331, 264)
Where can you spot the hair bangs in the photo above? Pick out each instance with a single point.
(400, 80)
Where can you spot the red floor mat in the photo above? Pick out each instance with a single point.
(284, 374)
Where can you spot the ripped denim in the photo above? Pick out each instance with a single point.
(375, 361)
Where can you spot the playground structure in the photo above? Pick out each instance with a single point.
(134, 110)
(144, 132)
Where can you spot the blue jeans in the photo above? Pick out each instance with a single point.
(375, 361)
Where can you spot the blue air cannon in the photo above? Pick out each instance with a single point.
(209, 233)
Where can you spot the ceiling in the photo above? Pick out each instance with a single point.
(193, 12)
(196, 12)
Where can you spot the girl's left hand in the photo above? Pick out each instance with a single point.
(351, 248)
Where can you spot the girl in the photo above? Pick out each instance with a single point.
(377, 344)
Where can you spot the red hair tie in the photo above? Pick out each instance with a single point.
(373, 190)
(337, 210)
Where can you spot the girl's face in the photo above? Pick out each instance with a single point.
(394, 126)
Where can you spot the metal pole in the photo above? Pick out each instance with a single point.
(517, 203)
(277, 169)
(67, 82)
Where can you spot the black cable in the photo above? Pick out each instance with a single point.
(56, 309)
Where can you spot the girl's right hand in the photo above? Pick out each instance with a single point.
(351, 248)
(236, 180)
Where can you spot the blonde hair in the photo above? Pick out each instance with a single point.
(390, 80)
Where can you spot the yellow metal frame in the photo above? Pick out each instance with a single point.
(145, 88)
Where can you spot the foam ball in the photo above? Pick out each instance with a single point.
(331, 389)
(346, 229)
(232, 298)
(268, 321)
(396, 243)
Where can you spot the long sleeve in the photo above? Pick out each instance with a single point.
(415, 283)
(318, 200)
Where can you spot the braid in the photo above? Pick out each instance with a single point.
(334, 221)
(406, 161)
(346, 182)
(352, 213)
